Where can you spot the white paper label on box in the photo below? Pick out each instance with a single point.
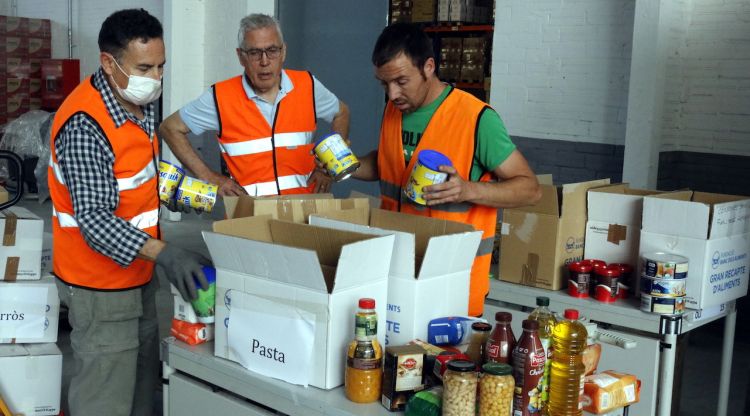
(272, 339)
(23, 312)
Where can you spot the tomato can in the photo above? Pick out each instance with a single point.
(425, 173)
(169, 180)
(664, 265)
(196, 194)
(626, 286)
(337, 157)
(607, 283)
(662, 306)
(579, 279)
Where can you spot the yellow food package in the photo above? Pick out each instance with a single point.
(609, 390)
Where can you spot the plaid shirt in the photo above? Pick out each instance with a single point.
(86, 159)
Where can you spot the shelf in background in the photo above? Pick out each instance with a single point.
(469, 85)
(460, 28)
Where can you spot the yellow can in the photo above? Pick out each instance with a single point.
(338, 158)
(196, 194)
(426, 173)
(169, 180)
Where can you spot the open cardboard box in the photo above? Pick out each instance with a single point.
(613, 227)
(303, 268)
(539, 241)
(429, 270)
(294, 208)
(712, 231)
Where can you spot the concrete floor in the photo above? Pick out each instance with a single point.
(700, 376)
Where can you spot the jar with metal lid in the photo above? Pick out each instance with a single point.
(480, 332)
(496, 390)
(460, 388)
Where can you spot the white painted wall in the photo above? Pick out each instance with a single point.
(707, 104)
(560, 69)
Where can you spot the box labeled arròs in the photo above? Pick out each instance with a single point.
(29, 311)
(403, 375)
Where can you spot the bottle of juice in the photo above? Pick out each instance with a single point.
(547, 322)
(528, 369)
(364, 361)
(567, 372)
(502, 341)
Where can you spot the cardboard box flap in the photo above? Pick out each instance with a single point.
(25, 350)
(617, 204)
(574, 196)
(358, 216)
(20, 213)
(294, 208)
(545, 179)
(364, 262)
(423, 228)
(673, 214)
(548, 204)
(730, 214)
(445, 254)
(265, 260)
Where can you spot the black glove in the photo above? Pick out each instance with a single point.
(183, 268)
(173, 206)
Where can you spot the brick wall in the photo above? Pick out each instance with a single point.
(707, 172)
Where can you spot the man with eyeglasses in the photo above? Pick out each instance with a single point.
(265, 119)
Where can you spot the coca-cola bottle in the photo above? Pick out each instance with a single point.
(528, 371)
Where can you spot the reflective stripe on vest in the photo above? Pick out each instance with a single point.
(269, 188)
(141, 221)
(485, 246)
(265, 144)
(124, 184)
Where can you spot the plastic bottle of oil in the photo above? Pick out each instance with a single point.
(547, 322)
(364, 370)
(566, 375)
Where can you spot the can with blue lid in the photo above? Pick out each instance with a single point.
(337, 157)
(426, 172)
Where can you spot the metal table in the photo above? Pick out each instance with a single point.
(196, 382)
(626, 314)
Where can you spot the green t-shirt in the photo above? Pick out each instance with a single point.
(493, 142)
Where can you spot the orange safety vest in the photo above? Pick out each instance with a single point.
(268, 160)
(75, 262)
(451, 131)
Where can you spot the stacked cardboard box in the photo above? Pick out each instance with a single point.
(472, 59)
(465, 11)
(25, 43)
(401, 11)
(423, 11)
(450, 59)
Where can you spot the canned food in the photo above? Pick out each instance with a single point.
(607, 279)
(337, 157)
(426, 173)
(663, 306)
(626, 280)
(664, 265)
(663, 288)
(169, 180)
(196, 194)
(579, 278)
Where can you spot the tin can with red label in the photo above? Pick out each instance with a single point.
(607, 279)
(579, 279)
(626, 286)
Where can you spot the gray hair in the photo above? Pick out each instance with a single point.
(257, 21)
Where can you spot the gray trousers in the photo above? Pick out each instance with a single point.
(115, 342)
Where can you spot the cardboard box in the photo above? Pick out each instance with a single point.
(30, 378)
(712, 231)
(3, 195)
(35, 89)
(303, 270)
(423, 11)
(21, 252)
(294, 208)
(46, 267)
(15, 85)
(39, 28)
(13, 26)
(13, 46)
(39, 47)
(31, 310)
(539, 241)
(17, 67)
(18, 105)
(430, 267)
(613, 229)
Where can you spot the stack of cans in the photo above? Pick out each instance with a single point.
(663, 283)
(175, 186)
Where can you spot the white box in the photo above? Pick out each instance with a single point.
(21, 251)
(613, 229)
(30, 378)
(304, 268)
(430, 267)
(712, 231)
(37, 301)
(46, 253)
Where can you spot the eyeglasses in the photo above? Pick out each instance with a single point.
(256, 54)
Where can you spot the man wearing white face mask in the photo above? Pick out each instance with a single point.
(103, 183)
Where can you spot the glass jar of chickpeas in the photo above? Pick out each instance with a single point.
(496, 390)
(460, 388)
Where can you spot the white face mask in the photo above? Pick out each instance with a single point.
(140, 90)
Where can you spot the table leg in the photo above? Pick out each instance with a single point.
(726, 362)
(670, 327)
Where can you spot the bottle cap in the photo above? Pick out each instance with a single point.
(367, 303)
(503, 316)
(497, 369)
(571, 314)
(530, 325)
(542, 301)
(481, 326)
(463, 366)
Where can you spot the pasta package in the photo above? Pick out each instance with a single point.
(609, 390)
